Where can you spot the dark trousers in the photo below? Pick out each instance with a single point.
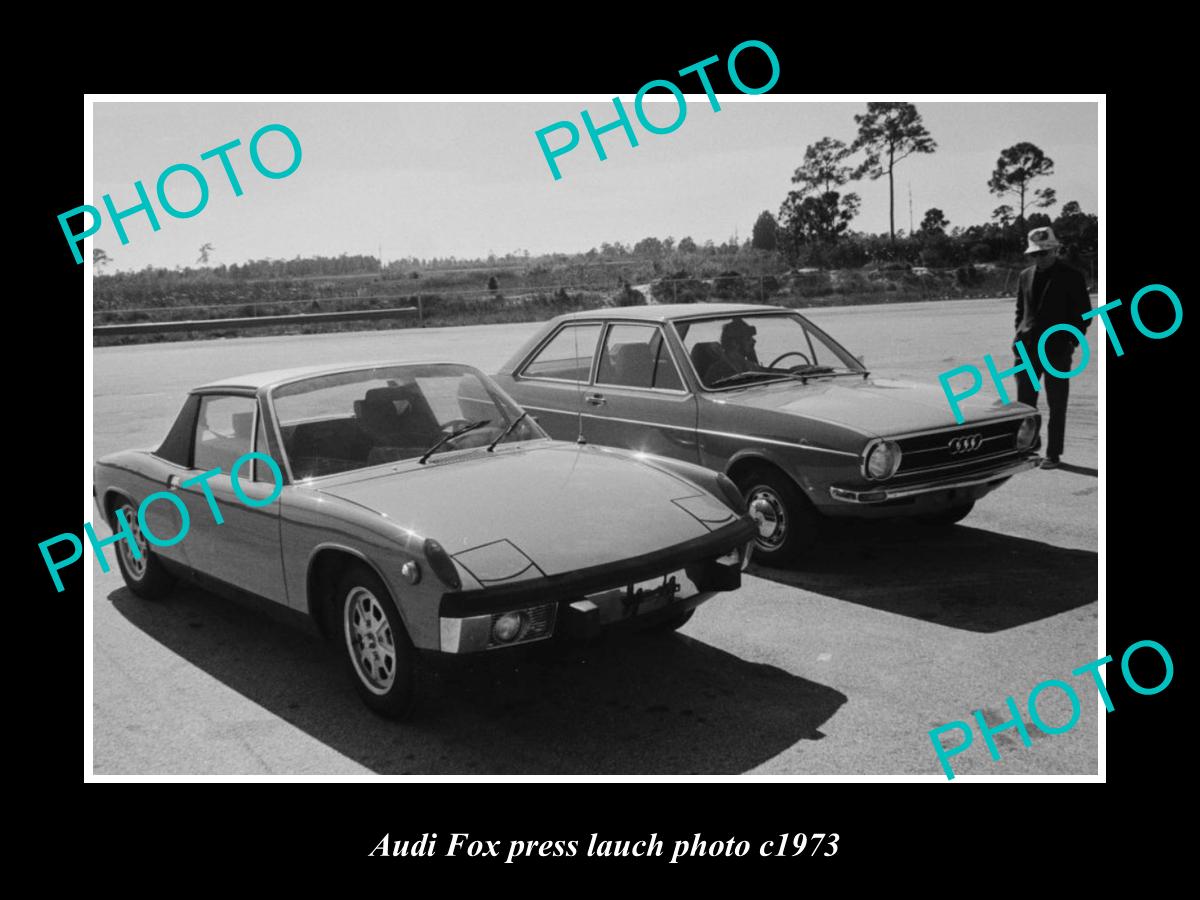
(1057, 391)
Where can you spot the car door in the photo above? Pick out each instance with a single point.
(551, 383)
(244, 550)
(638, 399)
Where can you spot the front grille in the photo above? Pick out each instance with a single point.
(926, 452)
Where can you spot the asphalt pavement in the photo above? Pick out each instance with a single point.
(838, 667)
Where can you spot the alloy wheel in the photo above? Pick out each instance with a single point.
(370, 641)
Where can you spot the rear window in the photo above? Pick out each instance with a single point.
(637, 356)
(568, 355)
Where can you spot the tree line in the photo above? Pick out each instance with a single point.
(813, 226)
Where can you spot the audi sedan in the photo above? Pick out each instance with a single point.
(761, 394)
(417, 507)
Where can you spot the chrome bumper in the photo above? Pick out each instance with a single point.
(473, 633)
(882, 494)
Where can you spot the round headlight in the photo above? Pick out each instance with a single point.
(1027, 432)
(882, 460)
(442, 565)
(507, 627)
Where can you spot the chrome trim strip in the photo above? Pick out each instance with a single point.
(726, 434)
(849, 495)
(763, 440)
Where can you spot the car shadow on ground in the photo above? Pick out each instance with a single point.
(960, 577)
(1079, 470)
(634, 703)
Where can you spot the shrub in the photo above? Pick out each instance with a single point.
(730, 286)
(968, 276)
(627, 296)
(679, 288)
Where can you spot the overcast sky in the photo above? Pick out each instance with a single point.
(468, 179)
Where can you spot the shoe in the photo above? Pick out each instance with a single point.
(1051, 462)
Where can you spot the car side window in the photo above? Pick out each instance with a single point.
(223, 429)
(637, 356)
(567, 356)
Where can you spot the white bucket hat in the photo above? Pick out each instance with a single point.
(1042, 239)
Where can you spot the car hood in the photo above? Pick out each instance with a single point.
(877, 407)
(556, 505)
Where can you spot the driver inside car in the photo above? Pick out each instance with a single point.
(737, 351)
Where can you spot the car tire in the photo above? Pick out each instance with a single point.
(375, 645)
(147, 577)
(949, 516)
(672, 623)
(788, 524)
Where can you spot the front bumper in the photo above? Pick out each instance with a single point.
(579, 603)
(883, 494)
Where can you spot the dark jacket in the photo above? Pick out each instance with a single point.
(1062, 296)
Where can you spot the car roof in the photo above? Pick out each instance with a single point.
(258, 380)
(665, 311)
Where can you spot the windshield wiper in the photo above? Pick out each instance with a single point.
(749, 373)
(505, 432)
(470, 426)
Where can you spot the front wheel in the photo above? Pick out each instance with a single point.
(375, 643)
(787, 523)
(145, 573)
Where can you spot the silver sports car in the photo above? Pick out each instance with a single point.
(408, 507)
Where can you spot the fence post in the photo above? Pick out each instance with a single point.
(420, 312)
(762, 293)
(674, 290)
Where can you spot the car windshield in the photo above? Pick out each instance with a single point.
(751, 348)
(351, 420)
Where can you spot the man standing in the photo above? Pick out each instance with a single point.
(1049, 292)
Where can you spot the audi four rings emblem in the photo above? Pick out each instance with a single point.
(966, 444)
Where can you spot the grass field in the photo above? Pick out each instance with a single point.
(485, 295)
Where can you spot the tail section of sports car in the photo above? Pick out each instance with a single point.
(422, 509)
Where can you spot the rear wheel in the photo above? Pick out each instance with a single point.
(375, 643)
(787, 523)
(145, 576)
(950, 515)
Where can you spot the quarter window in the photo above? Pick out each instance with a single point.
(568, 355)
(637, 356)
(223, 430)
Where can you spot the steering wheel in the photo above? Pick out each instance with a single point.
(454, 425)
(779, 359)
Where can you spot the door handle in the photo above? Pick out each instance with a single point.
(596, 399)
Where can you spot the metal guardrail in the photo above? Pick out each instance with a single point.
(251, 321)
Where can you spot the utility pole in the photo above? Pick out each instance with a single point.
(910, 215)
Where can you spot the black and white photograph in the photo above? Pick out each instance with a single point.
(707, 433)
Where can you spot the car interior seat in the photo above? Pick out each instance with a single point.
(704, 355)
(634, 366)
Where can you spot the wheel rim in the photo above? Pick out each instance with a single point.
(370, 641)
(133, 565)
(769, 514)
